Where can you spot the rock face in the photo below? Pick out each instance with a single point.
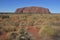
(32, 10)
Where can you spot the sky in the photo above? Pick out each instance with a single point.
(12, 5)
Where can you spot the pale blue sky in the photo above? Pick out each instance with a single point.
(12, 5)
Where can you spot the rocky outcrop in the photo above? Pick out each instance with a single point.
(32, 10)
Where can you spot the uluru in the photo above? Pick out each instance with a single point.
(33, 9)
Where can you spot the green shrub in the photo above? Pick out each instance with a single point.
(47, 31)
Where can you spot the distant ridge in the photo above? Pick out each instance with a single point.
(32, 9)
